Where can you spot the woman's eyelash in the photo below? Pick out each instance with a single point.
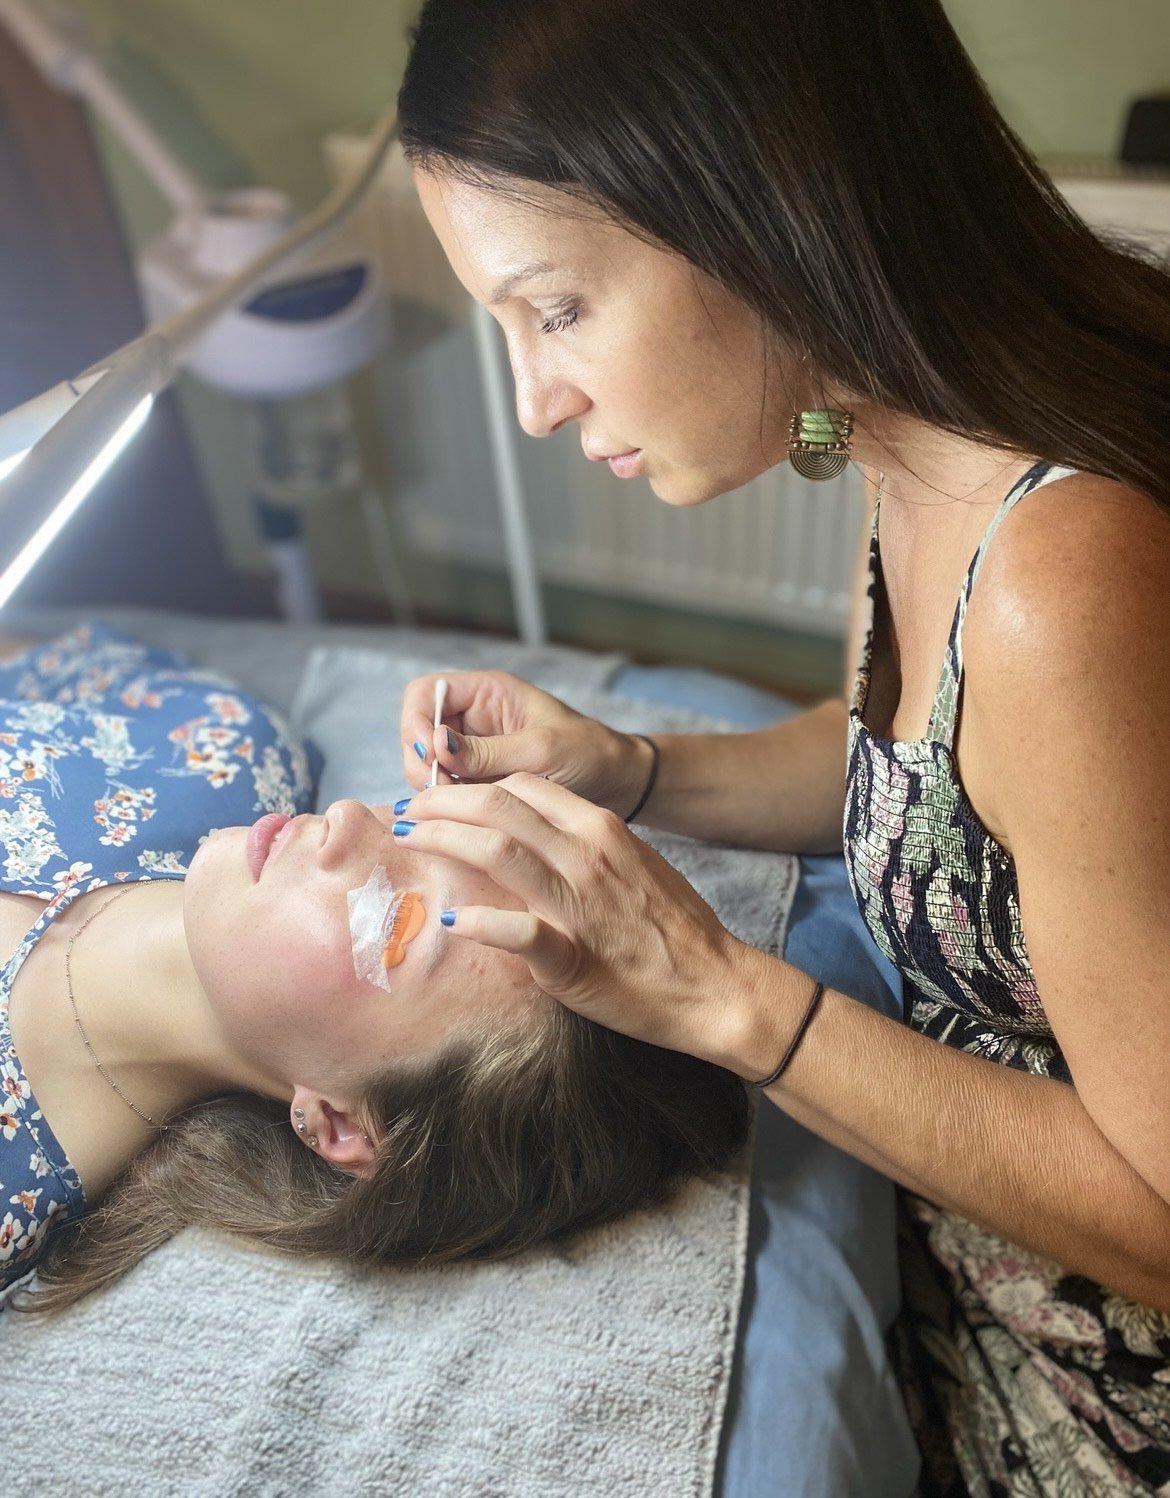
(560, 322)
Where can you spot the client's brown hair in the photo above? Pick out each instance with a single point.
(510, 1135)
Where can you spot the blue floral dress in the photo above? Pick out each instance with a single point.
(1020, 1377)
(116, 761)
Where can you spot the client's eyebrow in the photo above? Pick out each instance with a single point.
(439, 934)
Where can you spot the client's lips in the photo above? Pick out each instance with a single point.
(261, 836)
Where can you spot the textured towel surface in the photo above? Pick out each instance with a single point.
(600, 1368)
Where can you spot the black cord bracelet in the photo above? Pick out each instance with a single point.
(650, 779)
(795, 1041)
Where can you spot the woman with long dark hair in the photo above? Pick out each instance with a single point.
(718, 235)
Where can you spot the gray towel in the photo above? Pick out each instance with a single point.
(600, 1368)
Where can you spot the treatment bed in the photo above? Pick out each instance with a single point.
(783, 1279)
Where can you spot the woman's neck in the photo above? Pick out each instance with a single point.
(933, 475)
(144, 1013)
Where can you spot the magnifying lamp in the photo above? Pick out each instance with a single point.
(224, 316)
(55, 448)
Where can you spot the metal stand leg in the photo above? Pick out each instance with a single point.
(296, 586)
(517, 533)
(297, 592)
(385, 556)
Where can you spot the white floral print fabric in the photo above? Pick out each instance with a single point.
(1020, 1378)
(116, 761)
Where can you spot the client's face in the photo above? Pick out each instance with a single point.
(269, 931)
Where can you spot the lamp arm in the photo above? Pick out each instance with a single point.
(54, 449)
(113, 386)
(24, 426)
(56, 41)
(58, 459)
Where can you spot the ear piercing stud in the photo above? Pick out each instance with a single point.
(311, 1140)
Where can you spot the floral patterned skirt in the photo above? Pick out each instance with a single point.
(1021, 1379)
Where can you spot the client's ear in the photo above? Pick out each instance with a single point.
(332, 1132)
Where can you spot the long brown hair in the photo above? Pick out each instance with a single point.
(512, 1134)
(841, 168)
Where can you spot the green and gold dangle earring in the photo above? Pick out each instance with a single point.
(818, 443)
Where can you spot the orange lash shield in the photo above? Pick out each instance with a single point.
(408, 922)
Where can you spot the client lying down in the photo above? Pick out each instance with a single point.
(221, 1010)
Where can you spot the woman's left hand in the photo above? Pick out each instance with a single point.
(610, 928)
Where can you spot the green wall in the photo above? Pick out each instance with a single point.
(258, 82)
(245, 91)
(1062, 71)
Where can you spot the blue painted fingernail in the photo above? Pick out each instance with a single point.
(402, 828)
(447, 918)
(400, 806)
(452, 743)
(419, 749)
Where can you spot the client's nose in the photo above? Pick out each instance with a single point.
(347, 824)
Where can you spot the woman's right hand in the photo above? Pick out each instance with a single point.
(495, 724)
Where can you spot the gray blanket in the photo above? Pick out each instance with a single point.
(599, 1368)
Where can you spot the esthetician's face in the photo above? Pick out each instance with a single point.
(636, 346)
(275, 958)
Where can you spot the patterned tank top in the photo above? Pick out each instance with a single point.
(1020, 1378)
(936, 890)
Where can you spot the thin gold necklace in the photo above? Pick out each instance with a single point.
(956, 499)
(145, 1117)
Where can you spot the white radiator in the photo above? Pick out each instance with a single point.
(780, 549)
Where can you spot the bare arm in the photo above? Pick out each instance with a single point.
(780, 787)
(1018, 1153)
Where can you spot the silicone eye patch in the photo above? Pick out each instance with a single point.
(407, 922)
(382, 922)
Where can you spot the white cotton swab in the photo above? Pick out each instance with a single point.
(440, 702)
